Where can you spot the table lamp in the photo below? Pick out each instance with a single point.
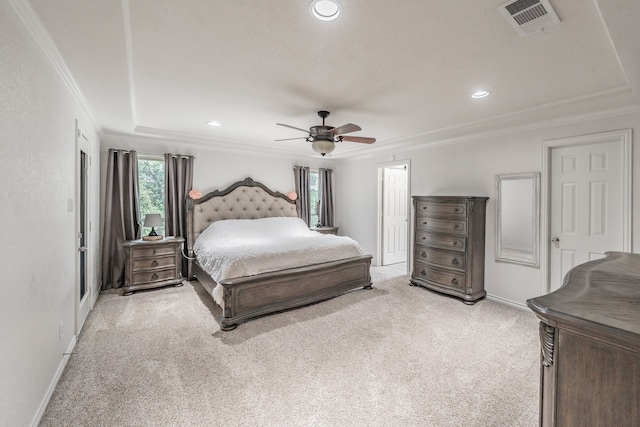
(153, 221)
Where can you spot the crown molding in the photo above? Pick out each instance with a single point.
(217, 145)
(33, 24)
(412, 143)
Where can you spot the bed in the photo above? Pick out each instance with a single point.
(252, 293)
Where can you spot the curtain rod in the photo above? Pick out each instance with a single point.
(160, 156)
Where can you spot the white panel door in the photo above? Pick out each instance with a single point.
(394, 215)
(587, 205)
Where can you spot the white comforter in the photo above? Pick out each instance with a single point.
(246, 247)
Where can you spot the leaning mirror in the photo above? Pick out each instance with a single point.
(518, 218)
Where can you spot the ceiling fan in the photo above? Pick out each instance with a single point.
(323, 137)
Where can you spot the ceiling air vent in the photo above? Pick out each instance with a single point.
(529, 16)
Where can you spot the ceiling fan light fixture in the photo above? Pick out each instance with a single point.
(325, 10)
(323, 146)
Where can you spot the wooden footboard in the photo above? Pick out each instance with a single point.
(253, 296)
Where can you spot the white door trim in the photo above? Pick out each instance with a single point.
(85, 305)
(381, 167)
(624, 137)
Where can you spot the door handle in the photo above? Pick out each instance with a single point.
(556, 241)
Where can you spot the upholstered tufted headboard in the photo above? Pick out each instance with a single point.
(247, 199)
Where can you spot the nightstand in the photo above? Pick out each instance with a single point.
(326, 230)
(152, 264)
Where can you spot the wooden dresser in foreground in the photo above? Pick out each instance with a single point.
(448, 251)
(590, 340)
(152, 264)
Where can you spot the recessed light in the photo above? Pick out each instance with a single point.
(325, 10)
(480, 94)
(213, 123)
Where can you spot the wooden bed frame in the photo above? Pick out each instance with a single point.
(252, 296)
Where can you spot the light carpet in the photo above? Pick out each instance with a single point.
(395, 355)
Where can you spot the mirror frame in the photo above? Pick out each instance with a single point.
(504, 254)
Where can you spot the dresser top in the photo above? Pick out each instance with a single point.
(165, 240)
(601, 294)
(450, 198)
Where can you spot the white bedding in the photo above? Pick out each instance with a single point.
(246, 247)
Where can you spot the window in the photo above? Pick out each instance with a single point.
(314, 197)
(151, 188)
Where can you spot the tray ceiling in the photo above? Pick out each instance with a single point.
(405, 74)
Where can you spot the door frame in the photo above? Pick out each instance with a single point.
(83, 143)
(624, 137)
(380, 231)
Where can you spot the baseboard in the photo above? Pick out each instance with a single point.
(96, 294)
(507, 302)
(54, 382)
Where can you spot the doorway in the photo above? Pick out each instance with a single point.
(83, 287)
(588, 201)
(393, 214)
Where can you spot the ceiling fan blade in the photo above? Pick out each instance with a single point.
(361, 139)
(349, 127)
(290, 139)
(293, 127)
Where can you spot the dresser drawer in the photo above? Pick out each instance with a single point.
(454, 243)
(445, 259)
(440, 277)
(441, 209)
(153, 276)
(151, 263)
(154, 251)
(442, 225)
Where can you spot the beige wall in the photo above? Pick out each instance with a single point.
(469, 168)
(37, 178)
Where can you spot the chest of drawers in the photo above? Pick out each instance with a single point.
(448, 250)
(152, 264)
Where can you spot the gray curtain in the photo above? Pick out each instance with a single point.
(301, 176)
(121, 214)
(178, 182)
(326, 197)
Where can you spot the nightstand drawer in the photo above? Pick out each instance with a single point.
(326, 230)
(153, 276)
(151, 263)
(154, 251)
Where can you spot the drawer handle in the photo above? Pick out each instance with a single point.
(455, 243)
(154, 263)
(455, 261)
(454, 281)
(423, 238)
(154, 276)
(457, 210)
(423, 255)
(424, 222)
(423, 273)
(456, 226)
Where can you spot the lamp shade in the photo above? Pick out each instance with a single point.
(323, 146)
(152, 220)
